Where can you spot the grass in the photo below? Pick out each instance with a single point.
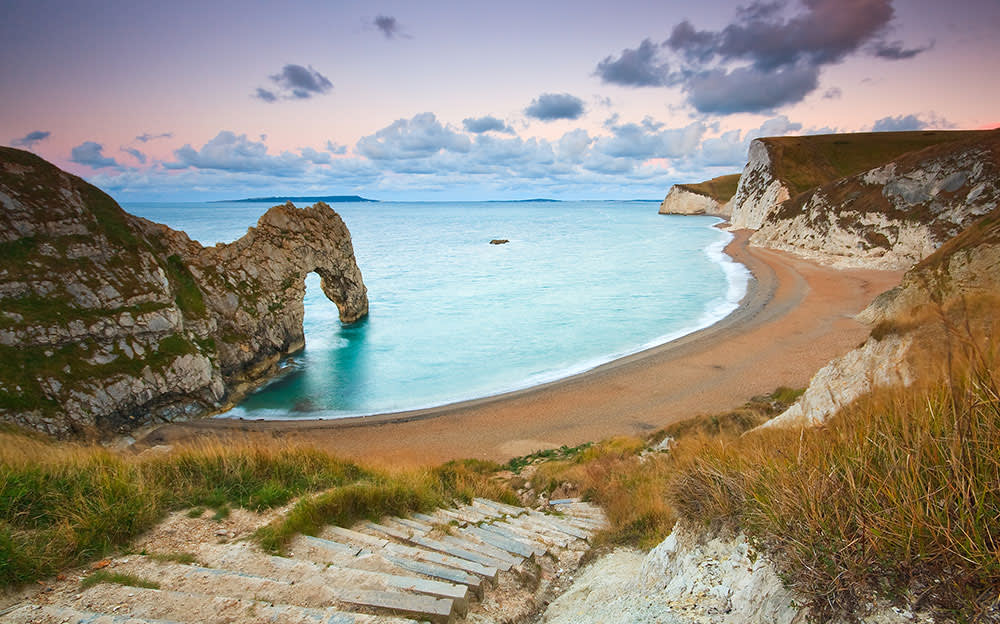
(721, 189)
(103, 576)
(898, 495)
(184, 558)
(630, 484)
(397, 492)
(66, 504)
(810, 161)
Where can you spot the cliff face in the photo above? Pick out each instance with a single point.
(712, 197)
(955, 290)
(760, 189)
(683, 202)
(109, 321)
(780, 168)
(892, 216)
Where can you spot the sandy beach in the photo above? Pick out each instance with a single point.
(795, 317)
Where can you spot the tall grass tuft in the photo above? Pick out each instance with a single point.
(898, 495)
(65, 504)
(395, 492)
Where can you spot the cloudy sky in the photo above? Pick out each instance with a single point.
(201, 100)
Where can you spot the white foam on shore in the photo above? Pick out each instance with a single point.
(737, 279)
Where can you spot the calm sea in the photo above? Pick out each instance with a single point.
(453, 317)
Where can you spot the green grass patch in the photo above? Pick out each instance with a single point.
(188, 295)
(183, 558)
(103, 576)
(563, 452)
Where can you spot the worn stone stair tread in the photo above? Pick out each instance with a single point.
(208, 609)
(426, 568)
(413, 552)
(461, 552)
(583, 523)
(308, 593)
(473, 582)
(561, 520)
(563, 533)
(505, 540)
(553, 525)
(464, 517)
(536, 532)
(286, 569)
(386, 530)
(542, 524)
(510, 510)
(493, 556)
(468, 541)
(484, 509)
(538, 547)
(51, 614)
(532, 534)
(424, 518)
(411, 524)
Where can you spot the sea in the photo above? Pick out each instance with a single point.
(453, 317)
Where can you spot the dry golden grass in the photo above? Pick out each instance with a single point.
(899, 494)
(65, 504)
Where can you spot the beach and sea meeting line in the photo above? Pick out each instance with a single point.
(453, 318)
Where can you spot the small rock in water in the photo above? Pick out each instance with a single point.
(499, 241)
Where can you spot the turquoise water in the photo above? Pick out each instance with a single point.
(453, 317)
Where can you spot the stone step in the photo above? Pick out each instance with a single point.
(469, 541)
(49, 614)
(208, 609)
(307, 593)
(448, 544)
(538, 532)
(506, 540)
(387, 530)
(510, 510)
(484, 509)
(466, 516)
(582, 523)
(325, 550)
(558, 530)
(581, 510)
(411, 552)
(411, 524)
(531, 533)
(461, 551)
(555, 523)
(236, 558)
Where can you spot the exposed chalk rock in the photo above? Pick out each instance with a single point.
(111, 321)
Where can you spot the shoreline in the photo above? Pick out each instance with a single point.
(794, 317)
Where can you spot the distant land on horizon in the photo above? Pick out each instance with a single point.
(313, 198)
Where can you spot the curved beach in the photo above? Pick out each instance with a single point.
(795, 317)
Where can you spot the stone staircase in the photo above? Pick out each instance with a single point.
(483, 562)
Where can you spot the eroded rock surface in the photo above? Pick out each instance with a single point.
(893, 216)
(109, 321)
(949, 298)
(683, 202)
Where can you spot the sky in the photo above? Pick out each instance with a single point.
(468, 100)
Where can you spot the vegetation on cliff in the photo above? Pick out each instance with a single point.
(805, 162)
(109, 321)
(721, 189)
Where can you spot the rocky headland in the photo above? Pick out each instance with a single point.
(711, 197)
(109, 321)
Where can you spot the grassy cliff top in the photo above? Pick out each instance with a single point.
(809, 161)
(721, 189)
